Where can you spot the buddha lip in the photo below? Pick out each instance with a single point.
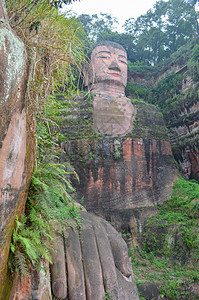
(114, 74)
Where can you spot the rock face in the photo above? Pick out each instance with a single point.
(14, 176)
(113, 116)
(183, 132)
(35, 285)
(120, 173)
(179, 103)
(97, 263)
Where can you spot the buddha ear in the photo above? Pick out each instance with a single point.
(88, 74)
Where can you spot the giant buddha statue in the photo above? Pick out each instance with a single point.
(118, 147)
(93, 262)
(123, 158)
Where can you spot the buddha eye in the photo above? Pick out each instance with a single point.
(123, 62)
(102, 56)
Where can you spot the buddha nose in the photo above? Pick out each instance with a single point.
(114, 66)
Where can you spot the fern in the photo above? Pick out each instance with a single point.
(20, 263)
(49, 202)
(52, 191)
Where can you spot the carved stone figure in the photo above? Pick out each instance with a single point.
(92, 263)
(113, 112)
(97, 262)
(120, 149)
(117, 173)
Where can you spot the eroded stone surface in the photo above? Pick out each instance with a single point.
(183, 132)
(35, 285)
(3, 12)
(141, 176)
(14, 177)
(96, 261)
(113, 116)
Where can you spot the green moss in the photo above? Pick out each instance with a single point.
(138, 90)
(170, 244)
(148, 122)
(179, 214)
(6, 286)
(173, 282)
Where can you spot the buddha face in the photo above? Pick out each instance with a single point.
(109, 65)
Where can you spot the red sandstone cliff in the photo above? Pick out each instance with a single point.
(175, 87)
(16, 137)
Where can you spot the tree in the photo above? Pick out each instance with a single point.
(96, 26)
(163, 29)
(181, 23)
(59, 3)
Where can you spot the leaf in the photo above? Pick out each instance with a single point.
(20, 263)
(12, 247)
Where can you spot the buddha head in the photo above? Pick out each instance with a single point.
(108, 69)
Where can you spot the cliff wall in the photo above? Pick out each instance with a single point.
(174, 89)
(17, 145)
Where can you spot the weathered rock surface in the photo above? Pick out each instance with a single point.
(184, 135)
(113, 116)
(34, 286)
(14, 155)
(97, 263)
(180, 109)
(119, 173)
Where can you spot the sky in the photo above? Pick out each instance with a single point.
(121, 9)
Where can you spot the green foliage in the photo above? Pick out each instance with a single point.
(51, 191)
(193, 64)
(49, 206)
(166, 90)
(183, 203)
(170, 246)
(60, 3)
(141, 66)
(117, 151)
(31, 242)
(54, 43)
(167, 94)
(162, 30)
(181, 210)
(180, 288)
(108, 295)
(48, 128)
(170, 290)
(138, 91)
(96, 26)
(175, 282)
